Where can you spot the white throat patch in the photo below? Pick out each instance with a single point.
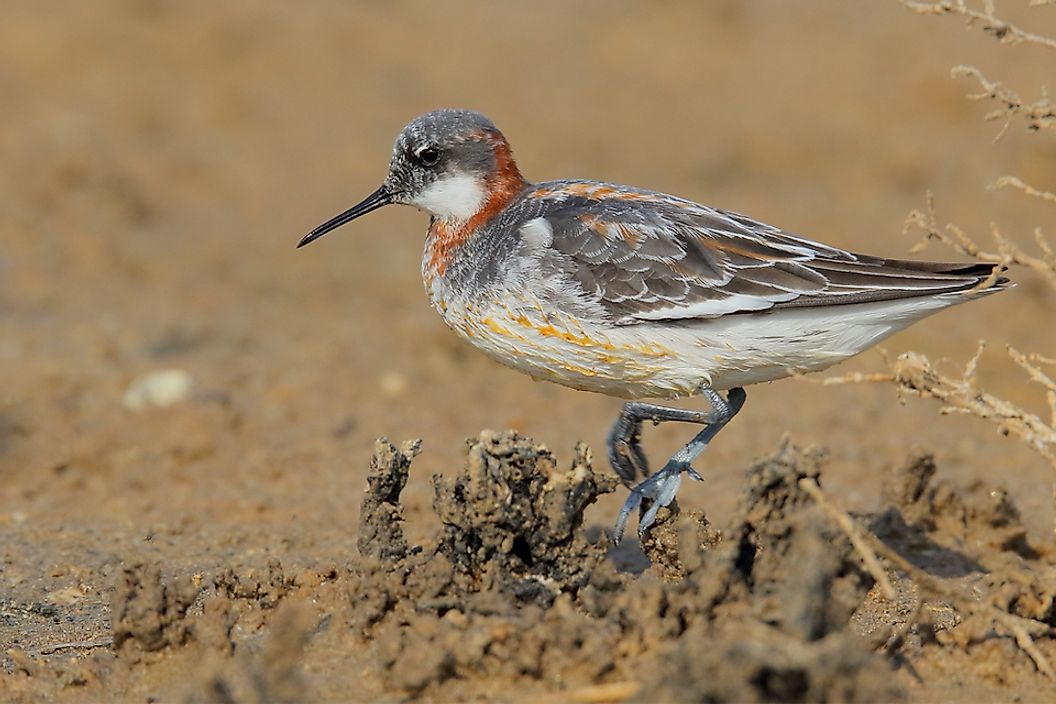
(454, 196)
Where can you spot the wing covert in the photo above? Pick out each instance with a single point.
(647, 256)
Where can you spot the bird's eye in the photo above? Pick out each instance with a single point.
(429, 156)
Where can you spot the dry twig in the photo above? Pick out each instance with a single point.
(1012, 181)
(984, 16)
(916, 375)
(607, 692)
(848, 526)
(103, 642)
(1039, 115)
(1008, 252)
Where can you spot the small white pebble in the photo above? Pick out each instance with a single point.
(161, 388)
(393, 383)
(19, 516)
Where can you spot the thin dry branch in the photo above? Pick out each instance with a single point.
(1015, 182)
(606, 692)
(984, 16)
(855, 378)
(103, 642)
(915, 375)
(850, 529)
(1039, 115)
(1030, 364)
(1008, 252)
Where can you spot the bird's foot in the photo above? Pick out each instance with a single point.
(627, 459)
(659, 489)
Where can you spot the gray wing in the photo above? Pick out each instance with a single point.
(646, 256)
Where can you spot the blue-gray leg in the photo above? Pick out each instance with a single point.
(625, 451)
(661, 487)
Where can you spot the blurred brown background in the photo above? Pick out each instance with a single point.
(161, 160)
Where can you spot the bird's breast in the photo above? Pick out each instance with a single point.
(442, 245)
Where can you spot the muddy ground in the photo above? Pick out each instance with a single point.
(161, 159)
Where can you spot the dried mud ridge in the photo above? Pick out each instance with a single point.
(512, 597)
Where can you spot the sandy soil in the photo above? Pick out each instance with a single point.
(160, 161)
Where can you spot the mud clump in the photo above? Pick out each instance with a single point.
(752, 665)
(758, 631)
(264, 588)
(511, 532)
(978, 518)
(381, 517)
(513, 589)
(973, 535)
(271, 676)
(513, 517)
(777, 524)
(148, 613)
(495, 594)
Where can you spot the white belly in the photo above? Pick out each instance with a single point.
(670, 359)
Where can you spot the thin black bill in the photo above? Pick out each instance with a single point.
(375, 200)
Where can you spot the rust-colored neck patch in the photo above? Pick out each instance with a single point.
(501, 186)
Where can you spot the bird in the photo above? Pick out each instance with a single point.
(638, 294)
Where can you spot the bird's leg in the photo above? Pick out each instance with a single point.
(662, 486)
(625, 450)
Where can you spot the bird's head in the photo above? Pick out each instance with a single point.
(453, 164)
